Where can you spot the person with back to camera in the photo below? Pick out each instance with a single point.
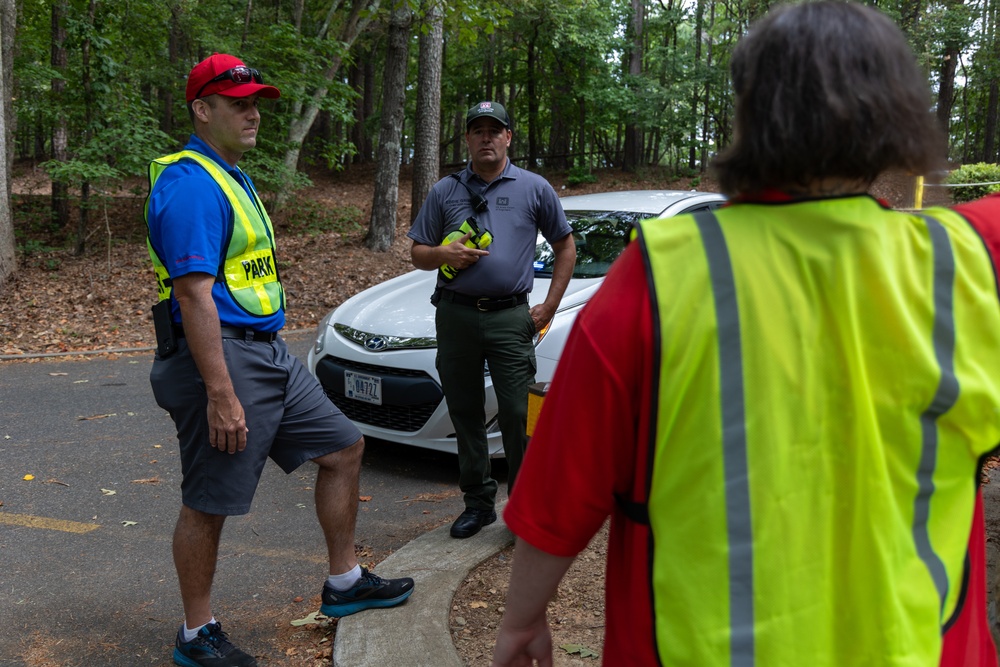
(816, 374)
(224, 374)
(490, 214)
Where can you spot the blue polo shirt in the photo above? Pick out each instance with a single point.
(190, 222)
(520, 205)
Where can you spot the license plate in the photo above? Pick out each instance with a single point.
(360, 387)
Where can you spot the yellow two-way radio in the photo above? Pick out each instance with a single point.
(481, 238)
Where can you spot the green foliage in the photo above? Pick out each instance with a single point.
(75, 171)
(576, 98)
(32, 247)
(269, 173)
(578, 175)
(975, 180)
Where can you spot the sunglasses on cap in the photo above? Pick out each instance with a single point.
(238, 74)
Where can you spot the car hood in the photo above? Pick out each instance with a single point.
(401, 306)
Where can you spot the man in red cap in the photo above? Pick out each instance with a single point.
(224, 374)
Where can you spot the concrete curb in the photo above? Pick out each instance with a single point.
(417, 634)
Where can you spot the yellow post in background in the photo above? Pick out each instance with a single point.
(536, 396)
(918, 193)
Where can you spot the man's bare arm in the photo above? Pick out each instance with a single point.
(203, 331)
(524, 631)
(562, 271)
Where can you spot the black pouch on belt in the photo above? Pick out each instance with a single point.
(163, 326)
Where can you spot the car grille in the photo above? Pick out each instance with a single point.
(417, 393)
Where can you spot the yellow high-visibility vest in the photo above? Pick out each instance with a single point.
(828, 384)
(249, 271)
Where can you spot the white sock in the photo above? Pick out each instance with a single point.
(341, 582)
(191, 634)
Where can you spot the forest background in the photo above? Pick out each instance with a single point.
(94, 89)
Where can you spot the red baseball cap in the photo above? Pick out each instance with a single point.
(222, 74)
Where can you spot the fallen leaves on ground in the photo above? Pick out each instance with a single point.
(148, 480)
(576, 614)
(581, 650)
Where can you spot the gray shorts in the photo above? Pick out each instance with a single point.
(289, 417)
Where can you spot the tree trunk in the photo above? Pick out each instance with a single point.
(246, 25)
(559, 129)
(427, 139)
(458, 129)
(533, 129)
(60, 133)
(946, 90)
(357, 128)
(707, 112)
(360, 16)
(990, 131)
(88, 105)
(167, 92)
(8, 260)
(946, 80)
(382, 226)
(8, 29)
(489, 68)
(368, 109)
(698, 25)
(633, 135)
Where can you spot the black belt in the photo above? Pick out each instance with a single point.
(248, 335)
(484, 303)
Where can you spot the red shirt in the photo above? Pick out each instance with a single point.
(578, 460)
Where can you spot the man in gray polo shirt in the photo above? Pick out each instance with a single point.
(482, 296)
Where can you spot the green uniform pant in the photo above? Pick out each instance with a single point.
(466, 339)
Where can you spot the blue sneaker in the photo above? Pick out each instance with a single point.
(370, 592)
(211, 648)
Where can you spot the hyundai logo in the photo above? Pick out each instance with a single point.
(376, 343)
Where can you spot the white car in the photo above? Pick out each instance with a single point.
(374, 354)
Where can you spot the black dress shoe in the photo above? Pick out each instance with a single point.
(471, 521)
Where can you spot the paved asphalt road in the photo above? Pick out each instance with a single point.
(86, 573)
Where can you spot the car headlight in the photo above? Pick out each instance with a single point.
(321, 333)
(541, 334)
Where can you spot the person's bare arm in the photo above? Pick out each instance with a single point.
(455, 254)
(202, 329)
(524, 631)
(562, 271)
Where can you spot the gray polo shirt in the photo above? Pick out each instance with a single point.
(521, 204)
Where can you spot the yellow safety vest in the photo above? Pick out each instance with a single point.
(828, 385)
(249, 270)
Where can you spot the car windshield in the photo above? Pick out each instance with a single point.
(600, 236)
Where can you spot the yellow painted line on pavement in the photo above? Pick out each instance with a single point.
(29, 521)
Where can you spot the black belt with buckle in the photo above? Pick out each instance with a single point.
(241, 333)
(484, 304)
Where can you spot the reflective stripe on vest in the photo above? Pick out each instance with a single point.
(817, 511)
(249, 270)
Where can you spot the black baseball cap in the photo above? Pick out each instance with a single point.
(492, 110)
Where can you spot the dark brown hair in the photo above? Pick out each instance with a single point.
(826, 89)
